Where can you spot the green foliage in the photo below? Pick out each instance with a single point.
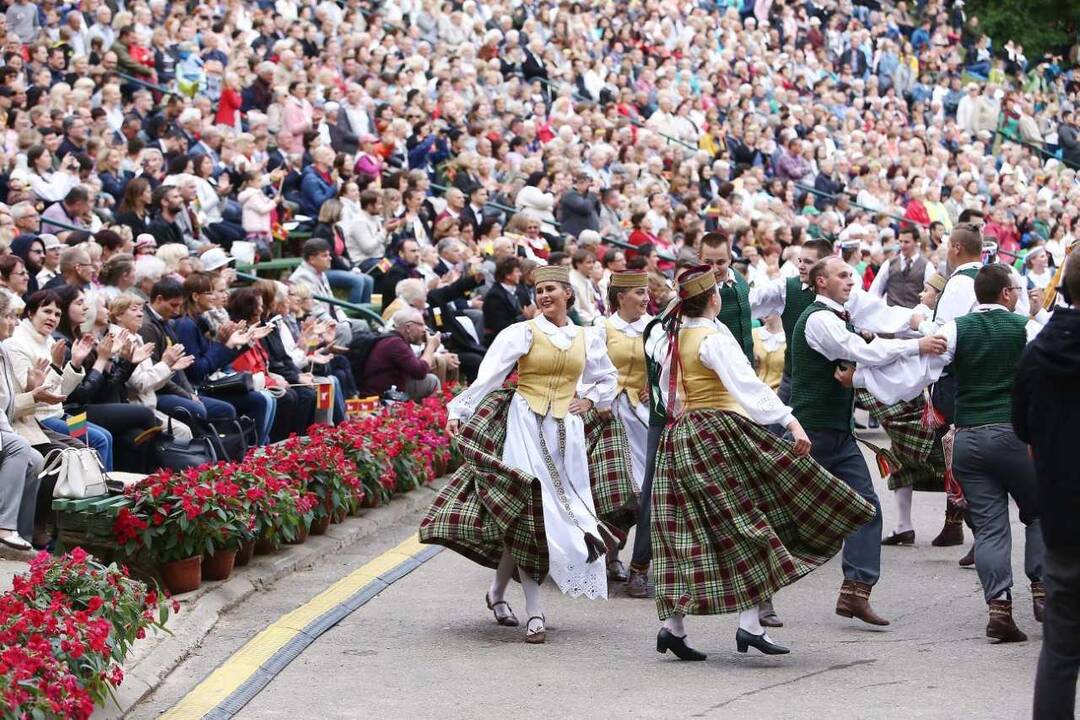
(1039, 25)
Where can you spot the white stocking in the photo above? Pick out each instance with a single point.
(674, 625)
(749, 621)
(503, 574)
(533, 606)
(903, 509)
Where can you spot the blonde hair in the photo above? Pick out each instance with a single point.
(122, 303)
(171, 254)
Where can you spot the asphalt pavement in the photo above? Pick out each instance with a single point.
(427, 647)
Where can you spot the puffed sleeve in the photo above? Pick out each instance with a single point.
(600, 378)
(500, 359)
(723, 355)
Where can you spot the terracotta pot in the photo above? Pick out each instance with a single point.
(328, 505)
(301, 536)
(265, 545)
(319, 525)
(218, 566)
(182, 576)
(339, 516)
(244, 554)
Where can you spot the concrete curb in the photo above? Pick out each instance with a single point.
(152, 661)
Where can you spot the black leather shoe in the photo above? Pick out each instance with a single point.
(744, 639)
(677, 645)
(903, 538)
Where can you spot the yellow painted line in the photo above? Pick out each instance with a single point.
(245, 662)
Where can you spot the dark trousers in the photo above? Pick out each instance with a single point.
(205, 408)
(295, 413)
(642, 536)
(1055, 681)
(838, 453)
(992, 464)
(125, 421)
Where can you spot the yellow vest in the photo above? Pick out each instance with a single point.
(628, 356)
(702, 386)
(548, 376)
(770, 364)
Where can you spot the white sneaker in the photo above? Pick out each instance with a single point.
(13, 540)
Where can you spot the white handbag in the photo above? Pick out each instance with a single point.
(79, 473)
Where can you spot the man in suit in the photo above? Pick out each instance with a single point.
(579, 209)
(341, 138)
(507, 302)
(474, 210)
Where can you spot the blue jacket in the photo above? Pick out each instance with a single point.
(314, 191)
(210, 355)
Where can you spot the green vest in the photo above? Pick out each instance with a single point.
(969, 272)
(988, 347)
(818, 401)
(796, 300)
(653, 368)
(735, 313)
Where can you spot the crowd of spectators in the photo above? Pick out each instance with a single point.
(437, 152)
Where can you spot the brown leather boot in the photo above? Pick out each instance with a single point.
(1038, 600)
(1001, 626)
(953, 531)
(854, 602)
(638, 584)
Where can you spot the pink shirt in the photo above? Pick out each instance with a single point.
(295, 121)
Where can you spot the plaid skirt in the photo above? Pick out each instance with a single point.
(736, 516)
(488, 505)
(916, 449)
(610, 473)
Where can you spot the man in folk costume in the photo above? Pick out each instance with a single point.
(628, 297)
(989, 461)
(737, 297)
(957, 298)
(521, 501)
(823, 342)
(724, 540)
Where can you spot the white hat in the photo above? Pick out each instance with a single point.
(145, 239)
(215, 258)
(50, 241)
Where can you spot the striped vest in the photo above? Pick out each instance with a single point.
(796, 300)
(735, 313)
(988, 347)
(818, 400)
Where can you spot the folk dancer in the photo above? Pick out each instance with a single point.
(723, 540)
(622, 331)
(989, 461)
(822, 344)
(522, 500)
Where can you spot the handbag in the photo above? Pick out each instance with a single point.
(230, 439)
(79, 472)
(228, 384)
(176, 454)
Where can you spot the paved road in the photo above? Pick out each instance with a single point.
(427, 648)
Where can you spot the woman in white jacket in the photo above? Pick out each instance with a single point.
(126, 312)
(31, 343)
(535, 202)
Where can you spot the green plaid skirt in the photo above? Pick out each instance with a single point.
(610, 474)
(488, 505)
(736, 516)
(915, 447)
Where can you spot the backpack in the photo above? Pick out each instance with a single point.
(360, 348)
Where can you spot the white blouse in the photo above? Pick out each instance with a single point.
(597, 383)
(722, 354)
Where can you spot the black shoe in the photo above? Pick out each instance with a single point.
(902, 538)
(744, 639)
(677, 645)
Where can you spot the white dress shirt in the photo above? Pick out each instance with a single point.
(827, 334)
(867, 312)
(878, 287)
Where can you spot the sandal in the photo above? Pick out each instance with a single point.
(616, 571)
(507, 620)
(535, 637)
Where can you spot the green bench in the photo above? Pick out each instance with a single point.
(88, 523)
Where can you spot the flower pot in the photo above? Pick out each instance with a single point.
(218, 566)
(265, 545)
(320, 524)
(182, 576)
(339, 516)
(301, 536)
(244, 554)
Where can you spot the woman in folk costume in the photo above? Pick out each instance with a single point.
(737, 513)
(522, 500)
(628, 296)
